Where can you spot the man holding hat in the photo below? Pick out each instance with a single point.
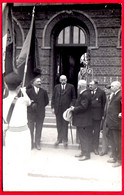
(82, 119)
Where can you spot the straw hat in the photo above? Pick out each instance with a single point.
(67, 115)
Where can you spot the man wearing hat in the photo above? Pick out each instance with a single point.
(63, 97)
(82, 119)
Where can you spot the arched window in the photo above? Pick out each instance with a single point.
(71, 35)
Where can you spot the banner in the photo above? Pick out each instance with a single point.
(5, 10)
(28, 60)
(8, 47)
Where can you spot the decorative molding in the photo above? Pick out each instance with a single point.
(56, 16)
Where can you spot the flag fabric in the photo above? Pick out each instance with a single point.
(28, 61)
(8, 67)
(8, 42)
(5, 10)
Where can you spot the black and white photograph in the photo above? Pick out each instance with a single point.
(62, 97)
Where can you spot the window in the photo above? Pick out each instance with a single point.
(71, 35)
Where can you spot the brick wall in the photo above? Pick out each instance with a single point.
(105, 59)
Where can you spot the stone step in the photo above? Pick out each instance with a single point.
(50, 120)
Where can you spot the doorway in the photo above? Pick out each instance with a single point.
(67, 62)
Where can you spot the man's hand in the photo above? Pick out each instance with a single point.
(120, 115)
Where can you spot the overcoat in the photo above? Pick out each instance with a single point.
(98, 104)
(64, 99)
(82, 116)
(41, 99)
(114, 108)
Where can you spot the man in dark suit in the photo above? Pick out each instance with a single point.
(113, 121)
(63, 97)
(82, 119)
(36, 111)
(97, 105)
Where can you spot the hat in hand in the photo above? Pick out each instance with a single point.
(67, 115)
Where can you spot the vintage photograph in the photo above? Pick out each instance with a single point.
(61, 97)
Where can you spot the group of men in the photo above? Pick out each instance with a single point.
(89, 110)
(92, 108)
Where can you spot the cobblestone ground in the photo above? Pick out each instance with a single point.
(56, 169)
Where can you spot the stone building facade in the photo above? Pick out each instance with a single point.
(65, 32)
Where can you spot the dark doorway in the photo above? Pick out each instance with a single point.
(67, 62)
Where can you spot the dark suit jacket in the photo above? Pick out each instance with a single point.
(82, 116)
(64, 99)
(98, 104)
(114, 108)
(41, 99)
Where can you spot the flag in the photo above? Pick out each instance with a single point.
(28, 61)
(8, 63)
(8, 41)
(5, 10)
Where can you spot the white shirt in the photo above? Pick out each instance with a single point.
(63, 86)
(19, 114)
(36, 89)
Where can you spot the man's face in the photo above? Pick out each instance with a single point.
(107, 91)
(92, 86)
(114, 88)
(37, 82)
(63, 80)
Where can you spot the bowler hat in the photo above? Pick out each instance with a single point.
(67, 115)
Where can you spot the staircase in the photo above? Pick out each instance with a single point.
(50, 119)
(49, 133)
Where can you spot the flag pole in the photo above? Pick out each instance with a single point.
(26, 63)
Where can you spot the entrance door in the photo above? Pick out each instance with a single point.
(68, 63)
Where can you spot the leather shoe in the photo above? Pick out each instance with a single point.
(65, 144)
(103, 153)
(84, 158)
(32, 146)
(117, 164)
(96, 152)
(111, 160)
(57, 143)
(79, 155)
(111, 156)
(38, 147)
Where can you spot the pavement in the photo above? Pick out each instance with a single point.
(56, 169)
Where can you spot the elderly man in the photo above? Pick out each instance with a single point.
(113, 121)
(82, 119)
(63, 97)
(97, 105)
